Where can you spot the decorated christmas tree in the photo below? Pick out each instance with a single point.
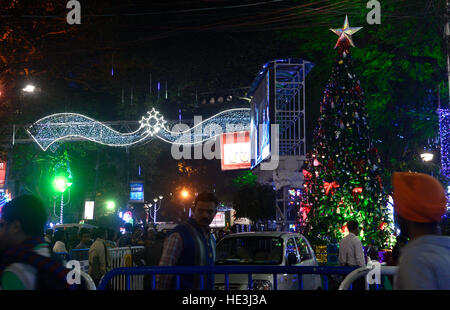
(343, 171)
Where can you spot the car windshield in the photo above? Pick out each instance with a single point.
(255, 250)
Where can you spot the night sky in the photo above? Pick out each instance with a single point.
(201, 49)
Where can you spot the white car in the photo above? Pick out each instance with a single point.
(269, 249)
(76, 225)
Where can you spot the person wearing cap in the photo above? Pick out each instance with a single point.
(420, 202)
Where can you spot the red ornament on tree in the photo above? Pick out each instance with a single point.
(307, 174)
(355, 193)
(330, 186)
(379, 181)
(330, 165)
(382, 226)
(344, 229)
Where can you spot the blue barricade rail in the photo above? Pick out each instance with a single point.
(76, 254)
(226, 270)
(79, 252)
(64, 256)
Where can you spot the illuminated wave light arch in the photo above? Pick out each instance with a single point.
(58, 127)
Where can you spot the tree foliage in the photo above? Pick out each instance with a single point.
(256, 202)
(343, 173)
(402, 67)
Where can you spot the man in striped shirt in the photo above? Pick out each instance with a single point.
(191, 244)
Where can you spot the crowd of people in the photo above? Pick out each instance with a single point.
(28, 261)
(98, 240)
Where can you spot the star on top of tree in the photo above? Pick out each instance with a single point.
(345, 33)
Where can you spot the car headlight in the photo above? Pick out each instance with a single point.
(262, 285)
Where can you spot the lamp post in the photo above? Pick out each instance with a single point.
(160, 204)
(61, 184)
(185, 195)
(427, 157)
(156, 207)
(29, 88)
(110, 206)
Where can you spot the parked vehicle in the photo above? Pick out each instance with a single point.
(79, 226)
(266, 248)
(165, 226)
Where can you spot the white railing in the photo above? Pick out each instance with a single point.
(90, 285)
(363, 271)
(123, 257)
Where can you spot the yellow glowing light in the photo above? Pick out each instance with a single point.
(184, 193)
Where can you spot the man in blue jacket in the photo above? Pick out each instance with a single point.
(191, 244)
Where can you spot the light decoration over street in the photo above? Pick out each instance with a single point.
(64, 126)
(153, 123)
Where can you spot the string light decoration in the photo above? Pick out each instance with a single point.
(62, 126)
(444, 126)
(343, 171)
(233, 120)
(153, 123)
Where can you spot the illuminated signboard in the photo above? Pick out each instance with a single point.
(128, 217)
(88, 210)
(218, 221)
(260, 122)
(235, 148)
(137, 191)
(2, 174)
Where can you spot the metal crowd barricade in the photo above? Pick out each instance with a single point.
(81, 255)
(63, 256)
(129, 272)
(123, 257)
(362, 272)
(90, 285)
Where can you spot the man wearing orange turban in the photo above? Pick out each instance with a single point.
(420, 203)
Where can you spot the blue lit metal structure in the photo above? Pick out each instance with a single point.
(287, 109)
(287, 101)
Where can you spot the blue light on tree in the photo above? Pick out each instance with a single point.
(444, 126)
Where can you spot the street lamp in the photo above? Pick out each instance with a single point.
(156, 207)
(29, 88)
(184, 193)
(426, 156)
(61, 184)
(110, 205)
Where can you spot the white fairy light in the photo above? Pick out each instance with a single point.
(153, 128)
(57, 127)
